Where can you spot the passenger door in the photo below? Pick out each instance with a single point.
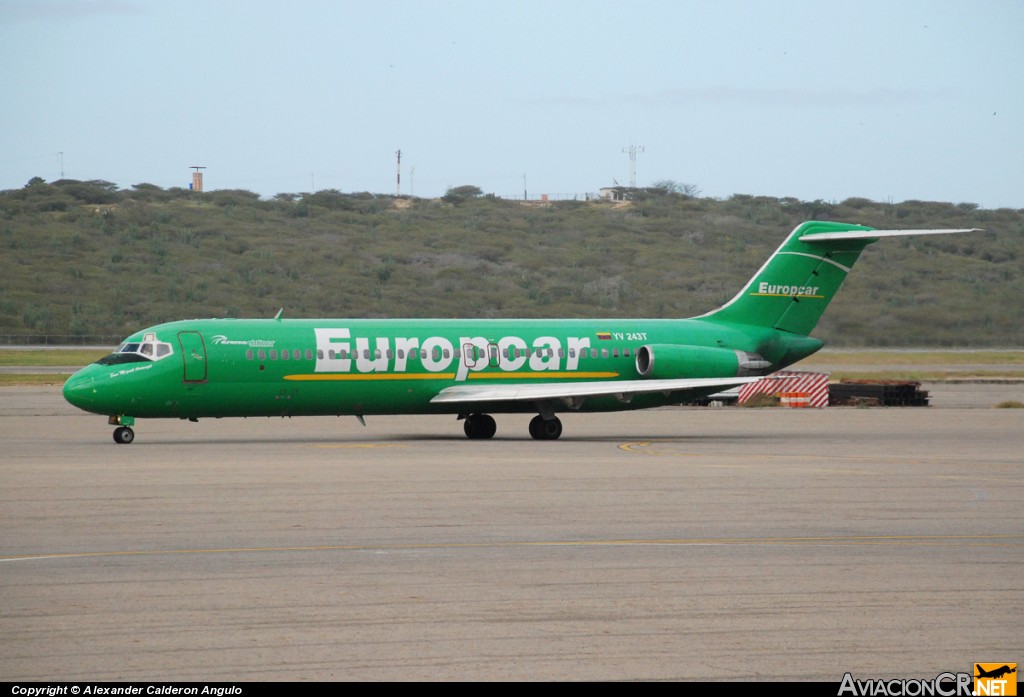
(193, 353)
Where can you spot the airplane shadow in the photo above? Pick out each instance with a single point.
(454, 437)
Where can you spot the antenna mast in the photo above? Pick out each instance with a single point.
(633, 150)
(398, 176)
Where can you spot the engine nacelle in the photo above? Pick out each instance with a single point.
(665, 361)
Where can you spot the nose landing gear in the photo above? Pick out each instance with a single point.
(123, 434)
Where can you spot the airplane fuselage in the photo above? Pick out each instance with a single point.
(227, 367)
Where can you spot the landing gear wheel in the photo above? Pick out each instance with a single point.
(123, 435)
(480, 427)
(545, 429)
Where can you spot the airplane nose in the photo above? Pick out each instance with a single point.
(80, 390)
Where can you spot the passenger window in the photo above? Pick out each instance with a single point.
(615, 353)
(273, 354)
(248, 355)
(593, 353)
(284, 355)
(572, 353)
(309, 354)
(319, 354)
(262, 355)
(604, 353)
(625, 352)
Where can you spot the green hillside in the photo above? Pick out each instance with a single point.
(88, 260)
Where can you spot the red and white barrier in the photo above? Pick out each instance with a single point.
(794, 388)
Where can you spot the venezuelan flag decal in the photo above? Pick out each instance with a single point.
(604, 336)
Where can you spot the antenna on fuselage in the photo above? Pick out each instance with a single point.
(279, 313)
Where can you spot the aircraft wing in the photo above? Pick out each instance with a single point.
(574, 393)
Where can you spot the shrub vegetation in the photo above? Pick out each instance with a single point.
(84, 258)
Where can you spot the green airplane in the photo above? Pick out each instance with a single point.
(472, 368)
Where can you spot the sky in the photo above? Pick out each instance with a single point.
(815, 99)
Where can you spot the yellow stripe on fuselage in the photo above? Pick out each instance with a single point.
(538, 375)
(548, 375)
(371, 376)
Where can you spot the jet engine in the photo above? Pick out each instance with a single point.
(664, 361)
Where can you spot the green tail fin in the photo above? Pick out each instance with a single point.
(793, 288)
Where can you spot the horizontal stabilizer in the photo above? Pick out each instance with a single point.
(874, 234)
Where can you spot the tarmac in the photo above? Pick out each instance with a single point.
(674, 544)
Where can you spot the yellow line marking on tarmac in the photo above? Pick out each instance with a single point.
(929, 540)
(648, 447)
(640, 448)
(791, 463)
(362, 445)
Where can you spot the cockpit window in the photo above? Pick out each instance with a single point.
(138, 351)
(119, 358)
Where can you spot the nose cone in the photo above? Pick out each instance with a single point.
(80, 389)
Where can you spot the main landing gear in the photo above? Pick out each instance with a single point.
(545, 429)
(482, 427)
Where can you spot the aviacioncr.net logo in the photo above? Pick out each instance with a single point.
(942, 685)
(997, 679)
